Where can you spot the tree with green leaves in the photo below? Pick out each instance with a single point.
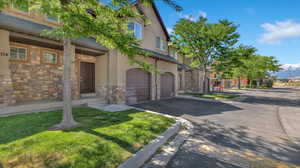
(259, 67)
(106, 21)
(232, 63)
(204, 43)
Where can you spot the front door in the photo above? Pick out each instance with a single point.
(87, 77)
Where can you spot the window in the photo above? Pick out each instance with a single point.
(160, 44)
(22, 7)
(137, 30)
(18, 53)
(50, 57)
(174, 54)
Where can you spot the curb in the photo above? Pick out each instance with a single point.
(197, 98)
(160, 160)
(41, 107)
(149, 157)
(149, 150)
(241, 98)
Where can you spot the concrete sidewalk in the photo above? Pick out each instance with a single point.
(44, 106)
(290, 119)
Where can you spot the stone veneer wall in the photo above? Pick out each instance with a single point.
(6, 91)
(116, 94)
(112, 94)
(34, 80)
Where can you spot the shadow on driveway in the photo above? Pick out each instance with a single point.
(270, 101)
(179, 107)
(239, 139)
(233, 148)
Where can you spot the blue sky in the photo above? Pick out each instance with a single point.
(272, 26)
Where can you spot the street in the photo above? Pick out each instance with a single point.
(256, 127)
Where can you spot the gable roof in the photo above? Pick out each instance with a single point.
(158, 17)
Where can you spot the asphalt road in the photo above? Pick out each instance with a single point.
(233, 133)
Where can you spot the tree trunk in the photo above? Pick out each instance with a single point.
(239, 82)
(204, 80)
(68, 120)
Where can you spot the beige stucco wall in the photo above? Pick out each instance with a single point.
(152, 30)
(164, 67)
(101, 69)
(4, 49)
(119, 64)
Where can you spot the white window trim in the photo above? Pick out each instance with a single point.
(162, 46)
(18, 57)
(50, 52)
(135, 29)
(141, 33)
(175, 54)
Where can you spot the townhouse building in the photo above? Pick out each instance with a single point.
(31, 68)
(190, 79)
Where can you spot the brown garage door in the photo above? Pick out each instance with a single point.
(87, 77)
(137, 86)
(167, 85)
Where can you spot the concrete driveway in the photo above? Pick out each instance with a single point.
(234, 133)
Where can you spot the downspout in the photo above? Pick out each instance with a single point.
(155, 78)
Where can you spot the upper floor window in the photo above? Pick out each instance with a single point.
(174, 54)
(18, 53)
(21, 6)
(160, 43)
(137, 29)
(50, 57)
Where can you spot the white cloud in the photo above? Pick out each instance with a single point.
(193, 16)
(203, 14)
(170, 30)
(293, 66)
(279, 31)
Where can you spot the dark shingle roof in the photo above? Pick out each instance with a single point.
(160, 56)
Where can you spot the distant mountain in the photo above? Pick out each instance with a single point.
(289, 71)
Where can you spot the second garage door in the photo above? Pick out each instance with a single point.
(137, 86)
(167, 88)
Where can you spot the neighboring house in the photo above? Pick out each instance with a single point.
(31, 66)
(221, 84)
(189, 79)
(243, 82)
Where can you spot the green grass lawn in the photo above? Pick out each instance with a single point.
(215, 96)
(105, 139)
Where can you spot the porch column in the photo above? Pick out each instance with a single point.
(115, 89)
(6, 87)
(182, 80)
